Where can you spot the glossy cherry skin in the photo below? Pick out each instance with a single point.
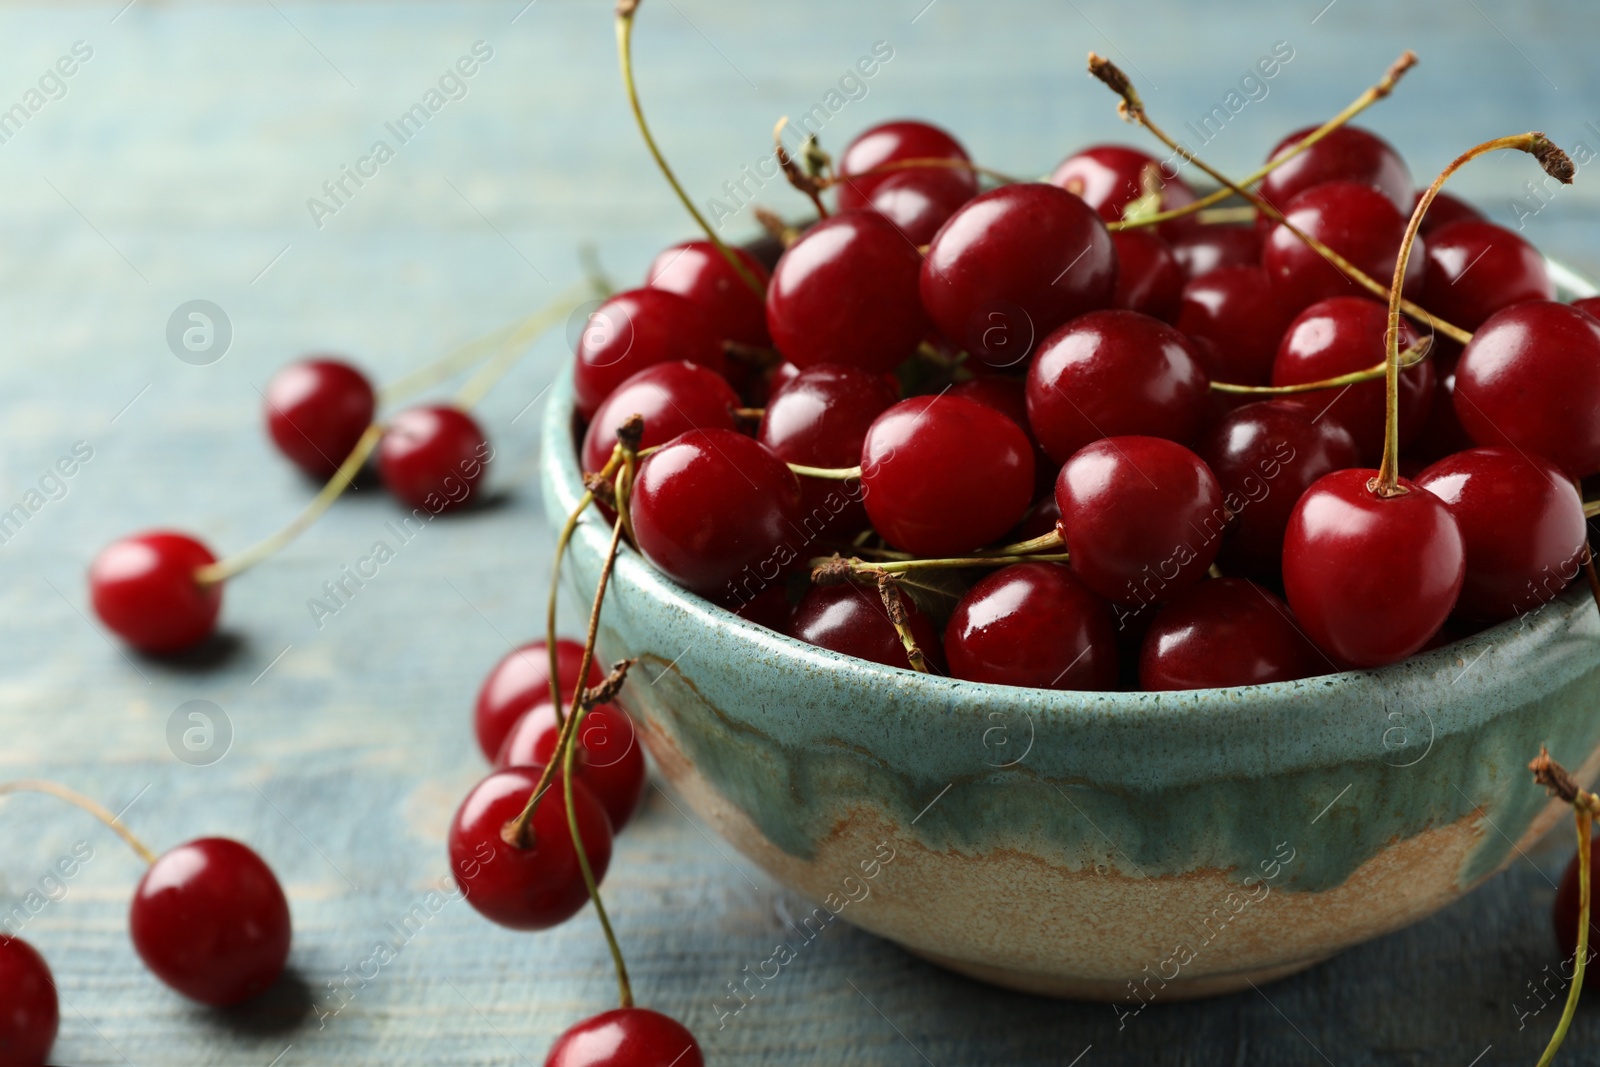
(1142, 516)
(30, 1013)
(1564, 913)
(1444, 210)
(1371, 578)
(1012, 265)
(210, 920)
(1265, 455)
(433, 457)
(1235, 323)
(719, 514)
(143, 588)
(520, 681)
(1477, 268)
(610, 760)
(893, 142)
(1111, 374)
(1347, 154)
(1109, 177)
(846, 292)
(541, 885)
(698, 271)
(1226, 632)
(1359, 223)
(1523, 525)
(1345, 334)
(1034, 625)
(637, 329)
(673, 397)
(1589, 305)
(1149, 279)
(918, 202)
(1530, 378)
(1203, 249)
(317, 409)
(852, 620)
(945, 475)
(626, 1037)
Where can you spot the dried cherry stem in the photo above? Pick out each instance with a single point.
(1372, 95)
(805, 183)
(624, 989)
(836, 474)
(828, 569)
(1132, 109)
(1409, 358)
(626, 9)
(78, 800)
(1557, 165)
(901, 620)
(1554, 777)
(515, 347)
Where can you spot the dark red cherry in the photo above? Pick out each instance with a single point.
(210, 920)
(626, 1037)
(1142, 517)
(144, 589)
(1531, 379)
(1226, 632)
(894, 142)
(1041, 518)
(1347, 154)
(1477, 268)
(1444, 211)
(317, 409)
(1149, 279)
(672, 397)
(1359, 223)
(521, 680)
(1564, 913)
(610, 760)
(537, 886)
(1109, 177)
(1034, 625)
(433, 457)
(719, 514)
(846, 292)
(698, 271)
(1012, 265)
(1235, 323)
(945, 475)
(918, 202)
(1371, 578)
(30, 1013)
(1444, 435)
(770, 608)
(1009, 396)
(637, 329)
(1265, 455)
(1111, 374)
(1589, 305)
(1345, 334)
(1523, 525)
(1203, 249)
(852, 620)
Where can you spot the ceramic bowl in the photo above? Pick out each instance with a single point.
(1096, 845)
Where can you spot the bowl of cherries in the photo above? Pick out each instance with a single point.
(1099, 586)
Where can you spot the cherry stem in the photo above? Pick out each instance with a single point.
(515, 346)
(1132, 109)
(805, 183)
(77, 799)
(833, 568)
(1591, 509)
(1372, 95)
(1557, 165)
(1554, 777)
(626, 9)
(837, 474)
(898, 617)
(624, 989)
(567, 531)
(1409, 358)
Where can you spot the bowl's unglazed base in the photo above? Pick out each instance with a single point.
(1045, 984)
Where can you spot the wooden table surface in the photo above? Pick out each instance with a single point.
(176, 164)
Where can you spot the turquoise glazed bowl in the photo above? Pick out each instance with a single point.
(1097, 845)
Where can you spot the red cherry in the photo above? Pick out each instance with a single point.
(918, 202)
(945, 475)
(1346, 154)
(210, 920)
(144, 589)
(1444, 210)
(610, 762)
(1523, 525)
(536, 887)
(672, 397)
(29, 1012)
(1109, 177)
(1041, 518)
(769, 608)
(846, 292)
(1142, 517)
(1226, 632)
(521, 680)
(433, 457)
(853, 621)
(1444, 434)
(1564, 912)
(892, 142)
(1203, 249)
(1342, 335)
(317, 409)
(1371, 578)
(1589, 305)
(1012, 265)
(1111, 374)
(637, 329)
(698, 271)
(1359, 223)
(1531, 379)
(719, 514)
(1477, 268)
(1235, 323)
(1149, 279)
(626, 1037)
(1034, 625)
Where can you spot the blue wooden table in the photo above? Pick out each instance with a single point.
(185, 158)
